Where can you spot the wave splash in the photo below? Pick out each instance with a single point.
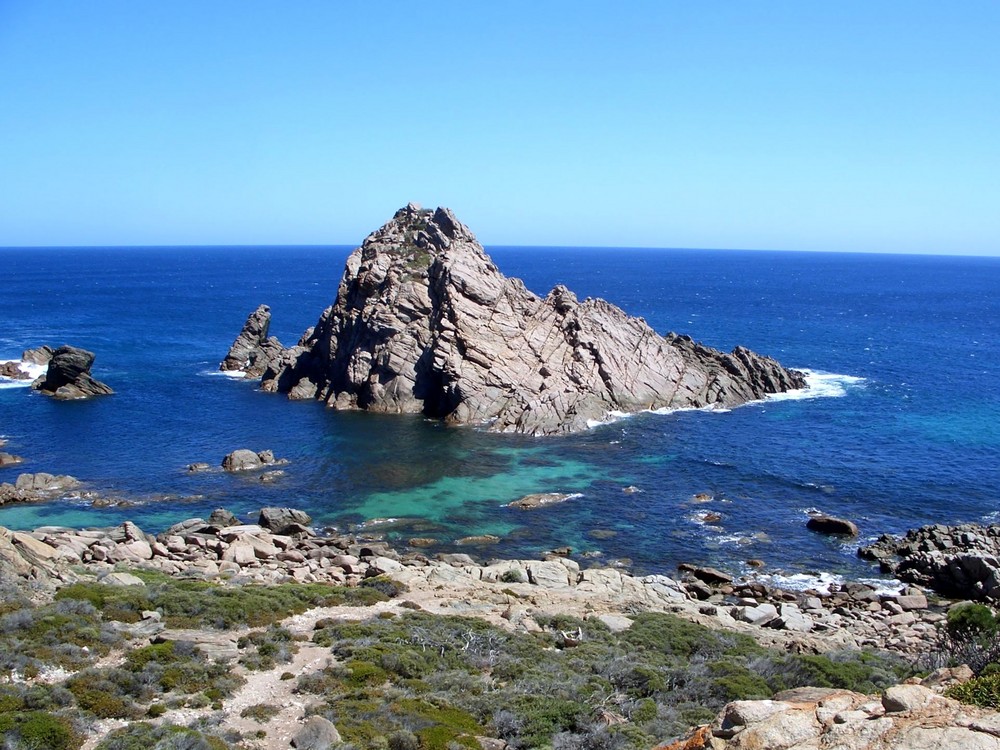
(34, 370)
(819, 385)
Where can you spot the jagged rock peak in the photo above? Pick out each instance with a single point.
(253, 350)
(424, 322)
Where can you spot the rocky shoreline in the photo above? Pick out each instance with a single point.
(523, 596)
(282, 547)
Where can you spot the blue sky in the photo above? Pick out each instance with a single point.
(813, 126)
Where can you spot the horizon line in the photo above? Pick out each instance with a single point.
(219, 246)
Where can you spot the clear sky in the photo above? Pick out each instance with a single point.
(862, 126)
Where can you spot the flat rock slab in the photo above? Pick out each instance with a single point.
(218, 646)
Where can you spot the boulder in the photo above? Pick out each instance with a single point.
(760, 614)
(68, 376)
(832, 525)
(425, 323)
(283, 520)
(711, 576)
(121, 579)
(222, 518)
(247, 460)
(7, 459)
(317, 733)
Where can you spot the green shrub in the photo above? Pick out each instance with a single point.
(144, 736)
(38, 729)
(979, 691)
(68, 634)
(735, 682)
(101, 703)
(971, 620)
(513, 575)
(200, 604)
(261, 712)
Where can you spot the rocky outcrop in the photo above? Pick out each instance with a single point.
(957, 561)
(68, 376)
(244, 459)
(31, 488)
(907, 717)
(38, 356)
(424, 322)
(29, 566)
(13, 371)
(253, 351)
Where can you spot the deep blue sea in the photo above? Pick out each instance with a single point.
(902, 429)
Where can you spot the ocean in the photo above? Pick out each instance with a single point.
(900, 428)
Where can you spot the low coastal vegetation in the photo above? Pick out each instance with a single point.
(411, 680)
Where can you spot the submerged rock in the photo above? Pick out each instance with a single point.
(68, 376)
(424, 322)
(539, 500)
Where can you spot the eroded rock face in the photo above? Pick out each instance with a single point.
(68, 376)
(424, 322)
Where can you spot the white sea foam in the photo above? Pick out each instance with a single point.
(29, 367)
(235, 374)
(823, 581)
(820, 385)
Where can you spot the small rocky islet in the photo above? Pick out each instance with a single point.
(425, 323)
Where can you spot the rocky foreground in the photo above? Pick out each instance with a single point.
(424, 322)
(283, 547)
(517, 596)
(906, 717)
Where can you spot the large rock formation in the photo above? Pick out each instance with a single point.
(424, 322)
(957, 561)
(68, 375)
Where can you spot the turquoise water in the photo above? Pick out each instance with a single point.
(901, 429)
